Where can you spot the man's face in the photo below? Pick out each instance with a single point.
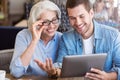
(81, 19)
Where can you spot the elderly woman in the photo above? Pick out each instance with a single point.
(40, 41)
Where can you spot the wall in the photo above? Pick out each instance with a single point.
(17, 9)
(16, 6)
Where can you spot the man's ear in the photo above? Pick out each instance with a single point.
(91, 12)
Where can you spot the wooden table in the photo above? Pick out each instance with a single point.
(42, 78)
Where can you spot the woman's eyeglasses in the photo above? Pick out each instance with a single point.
(48, 22)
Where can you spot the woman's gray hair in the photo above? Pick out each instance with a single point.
(39, 7)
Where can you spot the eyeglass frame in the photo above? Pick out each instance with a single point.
(48, 22)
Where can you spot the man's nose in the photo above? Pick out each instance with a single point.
(78, 21)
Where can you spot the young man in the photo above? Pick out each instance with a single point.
(88, 37)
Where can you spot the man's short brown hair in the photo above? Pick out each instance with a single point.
(74, 3)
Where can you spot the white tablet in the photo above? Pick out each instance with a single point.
(78, 65)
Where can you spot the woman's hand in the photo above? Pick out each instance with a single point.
(36, 30)
(48, 66)
(96, 74)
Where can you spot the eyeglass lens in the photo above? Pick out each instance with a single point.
(48, 22)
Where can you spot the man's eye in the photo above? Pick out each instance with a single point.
(82, 16)
(71, 18)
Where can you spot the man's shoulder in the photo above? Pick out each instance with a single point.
(105, 28)
(108, 28)
(69, 33)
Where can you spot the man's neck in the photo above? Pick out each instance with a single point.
(89, 33)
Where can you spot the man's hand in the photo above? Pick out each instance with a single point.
(97, 74)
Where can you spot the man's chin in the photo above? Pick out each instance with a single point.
(80, 31)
